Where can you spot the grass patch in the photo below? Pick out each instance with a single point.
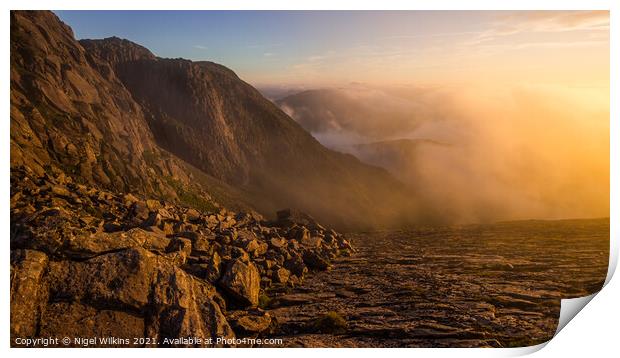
(264, 301)
(190, 198)
(330, 322)
(151, 158)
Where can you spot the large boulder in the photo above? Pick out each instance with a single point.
(137, 290)
(311, 242)
(315, 261)
(296, 265)
(45, 230)
(28, 291)
(242, 281)
(281, 275)
(89, 245)
(250, 323)
(73, 319)
(290, 217)
(139, 214)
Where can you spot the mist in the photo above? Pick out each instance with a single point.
(476, 154)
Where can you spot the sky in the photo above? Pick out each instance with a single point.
(332, 48)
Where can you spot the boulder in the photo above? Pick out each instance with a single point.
(296, 265)
(312, 242)
(315, 261)
(277, 242)
(139, 212)
(137, 283)
(242, 281)
(192, 214)
(201, 245)
(281, 275)
(90, 245)
(45, 230)
(153, 205)
(250, 323)
(129, 199)
(61, 190)
(73, 319)
(250, 245)
(28, 291)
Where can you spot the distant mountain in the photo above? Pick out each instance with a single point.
(360, 112)
(110, 113)
(275, 93)
(364, 121)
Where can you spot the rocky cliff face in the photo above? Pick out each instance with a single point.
(65, 116)
(71, 114)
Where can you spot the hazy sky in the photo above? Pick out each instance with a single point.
(315, 48)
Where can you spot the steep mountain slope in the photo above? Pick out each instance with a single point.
(68, 117)
(71, 114)
(63, 112)
(203, 113)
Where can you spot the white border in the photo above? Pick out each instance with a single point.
(594, 330)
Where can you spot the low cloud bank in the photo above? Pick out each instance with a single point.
(475, 154)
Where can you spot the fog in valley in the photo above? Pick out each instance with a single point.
(474, 154)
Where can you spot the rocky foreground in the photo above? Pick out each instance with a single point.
(91, 263)
(494, 285)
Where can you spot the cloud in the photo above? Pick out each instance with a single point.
(544, 22)
(200, 47)
(264, 46)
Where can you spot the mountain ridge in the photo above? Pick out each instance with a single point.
(159, 115)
